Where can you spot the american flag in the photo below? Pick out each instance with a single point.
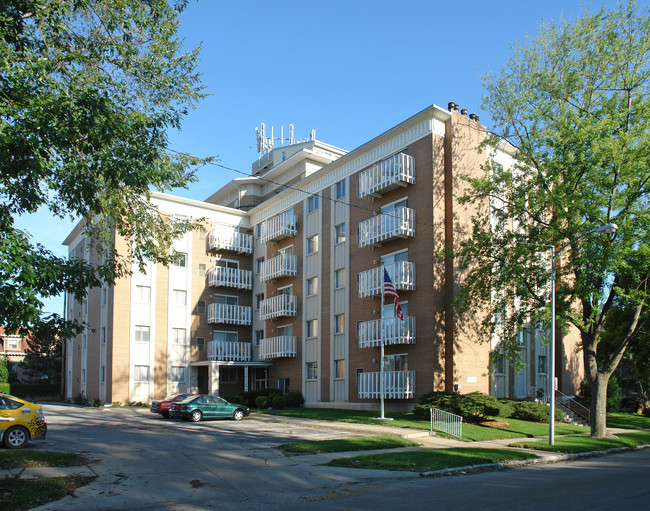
(389, 290)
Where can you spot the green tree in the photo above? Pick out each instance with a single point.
(572, 109)
(88, 92)
(43, 358)
(4, 370)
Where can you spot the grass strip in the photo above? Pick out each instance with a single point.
(23, 494)
(628, 421)
(576, 444)
(425, 460)
(29, 459)
(365, 443)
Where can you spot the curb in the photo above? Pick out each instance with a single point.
(552, 458)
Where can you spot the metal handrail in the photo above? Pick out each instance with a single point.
(567, 403)
(446, 422)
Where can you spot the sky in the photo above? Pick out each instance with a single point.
(348, 69)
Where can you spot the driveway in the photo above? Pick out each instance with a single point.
(145, 462)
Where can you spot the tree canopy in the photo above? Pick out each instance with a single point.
(571, 108)
(88, 92)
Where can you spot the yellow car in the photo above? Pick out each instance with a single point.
(20, 421)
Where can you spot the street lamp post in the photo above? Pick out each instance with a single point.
(609, 229)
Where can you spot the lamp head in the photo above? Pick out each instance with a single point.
(608, 228)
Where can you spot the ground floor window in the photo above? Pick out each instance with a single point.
(283, 385)
(228, 374)
(339, 369)
(260, 378)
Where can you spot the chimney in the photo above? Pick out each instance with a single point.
(464, 112)
(455, 107)
(472, 116)
(450, 106)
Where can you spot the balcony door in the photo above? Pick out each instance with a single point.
(226, 263)
(389, 262)
(285, 331)
(391, 217)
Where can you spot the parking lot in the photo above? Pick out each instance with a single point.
(144, 461)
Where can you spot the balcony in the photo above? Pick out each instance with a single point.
(282, 265)
(278, 306)
(279, 227)
(229, 314)
(278, 347)
(371, 282)
(392, 330)
(219, 276)
(398, 170)
(229, 351)
(397, 385)
(220, 239)
(399, 223)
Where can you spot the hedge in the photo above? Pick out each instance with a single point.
(34, 390)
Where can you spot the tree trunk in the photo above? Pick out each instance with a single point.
(599, 405)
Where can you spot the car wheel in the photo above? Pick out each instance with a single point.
(238, 415)
(165, 415)
(196, 416)
(16, 438)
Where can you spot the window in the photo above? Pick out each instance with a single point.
(202, 269)
(226, 300)
(200, 343)
(84, 341)
(339, 278)
(396, 362)
(359, 373)
(179, 260)
(102, 335)
(500, 364)
(227, 374)
(311, 328)
(141, 373)
(13, 343)
(287, 290)
(85, 307)
(104, 296)
(179, 335)
(312, 286)
(339, 191)
(258, 231)
(180, 297)
(258, 300)
(312, 244)
(285, 331)
(286, 250)
(142, 294)
(83, 376)
(226, 263)
(102, 374)
(283, 385)
(339, 323)
(339, 233)
(339, 369)
(311, 371)
(200, 307)
(258, 335)
(312, 203)
(220, 336)
(542, 364)
(177, 374)
(258, 265)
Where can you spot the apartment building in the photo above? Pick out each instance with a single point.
(283, 286)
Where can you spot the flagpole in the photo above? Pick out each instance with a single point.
(381, 357)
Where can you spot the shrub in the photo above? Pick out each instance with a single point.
(5, 388)
(80, 400)
(294, 399)
(646, 412)
(441, 400)
(279, 402)
(262, 402)
(35, 390)
(476, 406)
(534, 412)
(248, 398)
(505, 408)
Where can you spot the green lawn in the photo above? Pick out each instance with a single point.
(575, 444)
(425, 460)
(27, 458)
(365, 443)
(627, 421)
(23, 494)
(471, 433)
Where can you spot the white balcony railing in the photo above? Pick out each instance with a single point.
(402, 273)
(229, 314)
(220, 239)
(278, 347)
(278, 306)
(398, 170)
(282, 265)
(219, 276)
(391, 330)
(397, 385)
(229, 351)
(399, 223)
(278, 227)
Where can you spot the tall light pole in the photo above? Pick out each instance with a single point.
(609, 229)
